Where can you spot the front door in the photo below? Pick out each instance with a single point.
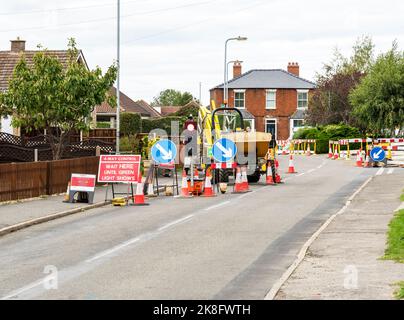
(270, 127)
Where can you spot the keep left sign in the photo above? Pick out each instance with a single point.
(119, 169)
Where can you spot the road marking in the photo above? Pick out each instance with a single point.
(23, 289)
(390, 171)
(217, 205)
(302, 253)
(300, 174)
(380, 171)
(168, 225)
(113, 250)
(311, 170)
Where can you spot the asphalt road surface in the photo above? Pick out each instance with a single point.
(229, 247)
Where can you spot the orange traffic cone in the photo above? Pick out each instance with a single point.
(308, 152)
(139, 196)
(67, 195)
(238, 186)
(366, 164)
(270, 179)
(184, 186)
(359, 159)
(291, 165)
(330, 155)
(278, 178)
(208, 192)
(244, 179)
(336, 156)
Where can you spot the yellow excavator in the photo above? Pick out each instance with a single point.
(252, 147)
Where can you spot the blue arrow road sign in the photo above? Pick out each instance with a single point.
(224, 150)
(377, 154)
(164, 151)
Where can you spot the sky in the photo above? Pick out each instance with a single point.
(179, 44)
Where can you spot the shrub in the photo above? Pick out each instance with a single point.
(326, 133)
(131, 123)
(161, 123)
(103, 125)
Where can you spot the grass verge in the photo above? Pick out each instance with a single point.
(395, 245)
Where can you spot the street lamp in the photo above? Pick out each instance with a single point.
(225, 92)
(118, 92)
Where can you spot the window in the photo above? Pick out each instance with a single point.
(239, 99)
(271, 99)
(302, 99)
(298, 123)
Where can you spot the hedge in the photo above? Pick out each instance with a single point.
(131, 123)
(323, 134)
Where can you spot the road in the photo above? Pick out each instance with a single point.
(229, 247)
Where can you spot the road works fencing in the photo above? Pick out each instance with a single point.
(33, 179)
(296, 146)
(349, 148)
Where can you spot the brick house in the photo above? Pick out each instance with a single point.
(276, 99)
(8, 61)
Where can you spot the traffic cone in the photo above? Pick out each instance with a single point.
(238, 186)
(366, 164)
(359, 159)
(196, 174)
(244, 179)
(291, 165)
(308, 152)
(336, 156)
(270, 179)
(139, 196)
(150, 190)
(330, 155)
(67, 195)
(278, 178)
(208, 190)
(184, 186)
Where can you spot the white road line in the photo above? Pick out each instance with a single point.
(217, 205)
(301, 174)
(168, 225)
(23, 289)
(390, 171)
(311, 170)
(380, 171)
(113, 250)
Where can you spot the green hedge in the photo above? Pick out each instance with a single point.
(162, 123)
(324, 134)
(131, 123)
(103, 125)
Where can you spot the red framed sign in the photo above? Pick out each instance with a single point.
(82, 182)
(119, 169)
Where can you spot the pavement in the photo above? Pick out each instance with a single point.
(344, 261)
(233, 246)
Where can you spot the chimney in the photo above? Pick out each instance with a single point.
(293, 67)
(17, 45)
(236, 69)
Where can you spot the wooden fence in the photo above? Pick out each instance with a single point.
(33, 179)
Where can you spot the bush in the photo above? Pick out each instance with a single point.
(162, 123)
(132, 144)
(103, 125)
(324, 134)
(131, 123)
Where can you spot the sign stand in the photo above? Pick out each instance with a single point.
(84, 186)
(174, 174)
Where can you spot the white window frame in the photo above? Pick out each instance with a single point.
(276, 126)
(266, 99)
(297, 102)
(239, 91)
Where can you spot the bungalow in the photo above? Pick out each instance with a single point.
(8, 61)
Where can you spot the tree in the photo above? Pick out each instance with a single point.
(330, 102)
(48, 95)
(379, 98)
(171, 97)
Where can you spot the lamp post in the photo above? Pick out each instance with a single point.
(118, 92)
(225, 92)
